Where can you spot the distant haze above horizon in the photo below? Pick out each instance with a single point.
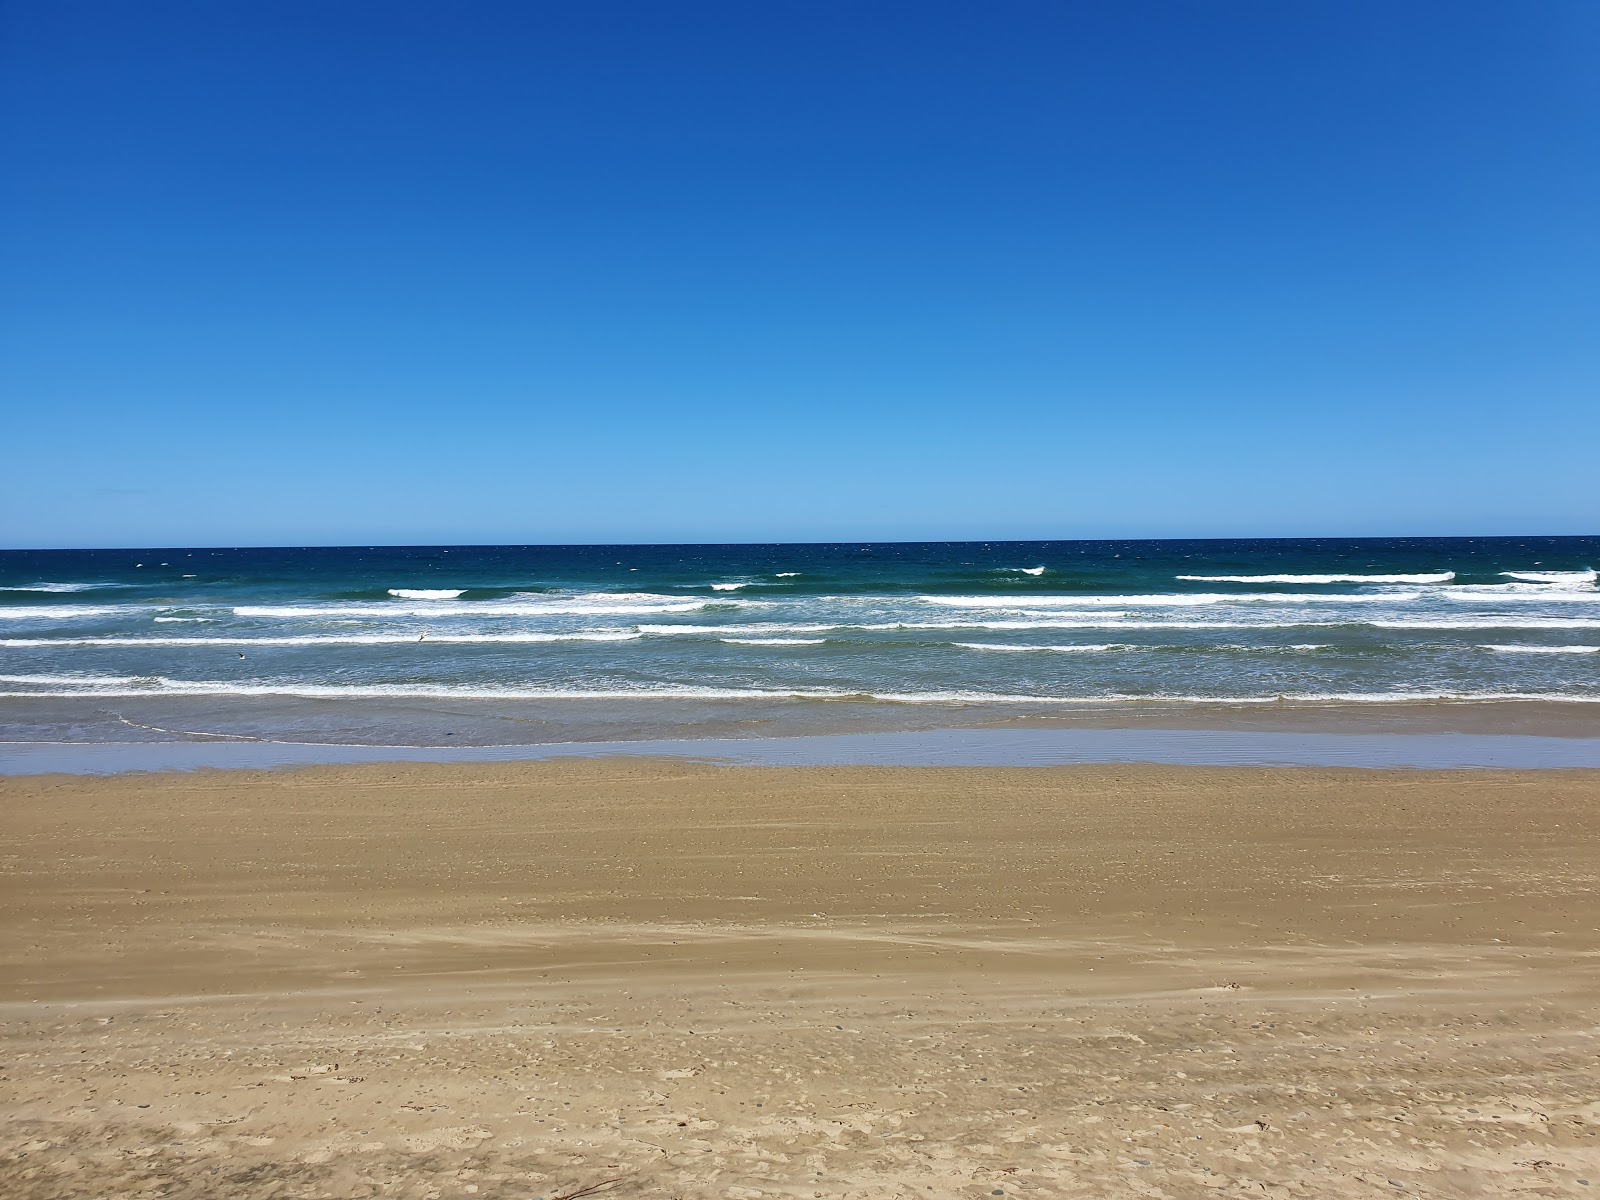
(535, 273)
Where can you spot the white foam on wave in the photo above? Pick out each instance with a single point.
(1108, 621)
(1532, 593)
(1051, 649)
(1557, 577)
(728, 587)
(1164, 600)
(1492, 622)
(427, 593)
(1543, 649)
(336, 639)
(748, 627)
(1425, 577)
(1022, 570)
(185, 620)
(786, 574)
(1096, 622)
(58, 612)
(1128, 647)
(622, 604)
(774, 641)
(61, 587)
(128, 686)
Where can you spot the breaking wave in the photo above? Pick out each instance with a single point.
(56, 588)
(1558, 577)
(1426, 577)
(335, 639)
(59, 612)
(1165, 600)
(127, 686)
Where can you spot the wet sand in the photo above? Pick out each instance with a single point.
(519, 980)
(79, 720)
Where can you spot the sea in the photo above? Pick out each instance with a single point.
(489, 645)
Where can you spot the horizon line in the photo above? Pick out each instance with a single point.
(1453, 537)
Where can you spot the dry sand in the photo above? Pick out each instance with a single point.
(523, 980)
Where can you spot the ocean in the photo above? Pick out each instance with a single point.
(496, 644)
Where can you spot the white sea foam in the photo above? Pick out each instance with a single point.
(336, 639)
(58, 612)
(427, 593)
(1050, 649)
(1533, 593)
(1543, 649)
(62, 587)
(127, 686)
(1558, 577)
(1426, 577)
(775, 641)
(748, 627)
(786, 574)
(1165, 600)
(1022, 570)
(185, 620)
(1106, 621)
(1128, 647)
(598, 604)
(1096, 622)
(1492, 622)
(728, 587)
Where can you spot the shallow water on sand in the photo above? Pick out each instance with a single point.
(923, 748)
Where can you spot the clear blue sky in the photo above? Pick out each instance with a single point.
(348, 271)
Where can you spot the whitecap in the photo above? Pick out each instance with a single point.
(1051, 649)
(60, 612)
(1425, 577)
(1165, 600)
(1126, 647)
(1520, 593)
(129, 686)
(1493, 622)
(727, 587)
(111, 686)
(1568, 577)
(62, 587)
(335, 639)
(427, 593)
(1022, 570)
(597, 604)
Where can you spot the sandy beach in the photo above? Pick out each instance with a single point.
(669, 979)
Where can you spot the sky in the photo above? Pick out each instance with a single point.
(340, 271)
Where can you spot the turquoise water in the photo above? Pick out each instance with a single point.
(950, 625)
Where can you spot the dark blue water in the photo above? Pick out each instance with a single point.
(1309, 621)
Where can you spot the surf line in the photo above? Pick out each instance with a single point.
(238, 737)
